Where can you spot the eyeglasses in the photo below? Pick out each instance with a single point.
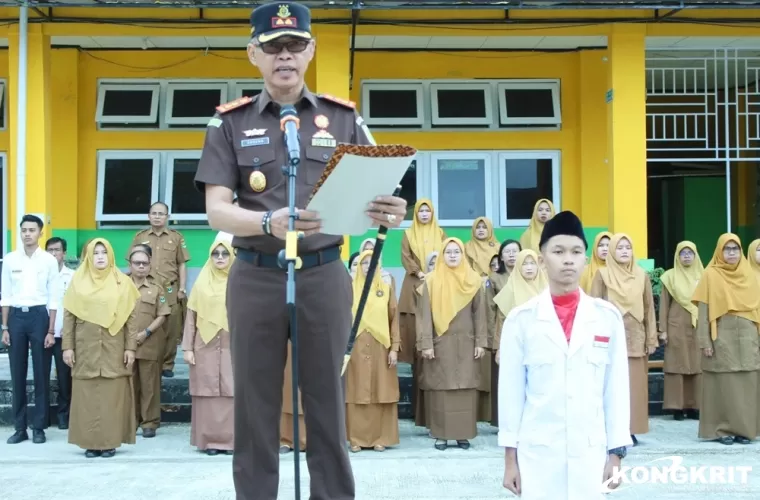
(220, 255)
(158, 214)
(140, 263)
(293, 46)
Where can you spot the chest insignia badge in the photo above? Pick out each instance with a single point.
(491, 244)
(258, 181)
(168, 289)
(254, 132)
(321, 121)
(261, 141)
(379, 293)
(323, 139)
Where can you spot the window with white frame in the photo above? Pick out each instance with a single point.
(247, 89)
(393, 104)
(461, 104)
(193, 103)
(184, 200)
(128, 105)
(460, 182)
(127, 184)
(524, 178)
(532, 103)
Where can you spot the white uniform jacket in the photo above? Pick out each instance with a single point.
(563, 406)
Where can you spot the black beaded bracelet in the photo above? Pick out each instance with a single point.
(266, 223)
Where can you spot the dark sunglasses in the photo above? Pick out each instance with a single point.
(220, 254)
(140, 263)
(293, 46)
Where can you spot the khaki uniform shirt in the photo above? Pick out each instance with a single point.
(98, 353)
(169, 251)
(246, 138)
(151, 305)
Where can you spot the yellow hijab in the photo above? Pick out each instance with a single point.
(751, 251)
(532, 235)
(482, 251)
(450, 288)
(727, 288)
(519, 290)
(625, 282)
(105, 297)
(208, 298)
(424, 238)
(681, 280)
(375, 315)
(595, 264)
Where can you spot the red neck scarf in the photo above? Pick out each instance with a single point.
(566, 307)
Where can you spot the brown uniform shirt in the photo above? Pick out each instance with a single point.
(169, 251)
(246, 138)
(98, 353)
(151, 305)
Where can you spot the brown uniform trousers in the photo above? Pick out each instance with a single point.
(169, 252)
(244, 149)
(147, 368)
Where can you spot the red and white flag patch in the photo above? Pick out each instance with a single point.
(601, 341)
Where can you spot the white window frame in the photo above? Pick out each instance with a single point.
(554, 86)
(102, 158)
(554, 155)
(189, 154)
(238, 87)
(487, 89)
(126, 120)
(4, 222)
(487, 157)
(418, 87)
(172, 87)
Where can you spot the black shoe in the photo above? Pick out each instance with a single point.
(38, 436)
(284, 449)
(440, 444)
(63, 425)
(92, 453)
(692, 414)
(211, 452)
(741, 440)
(18, 437)
(149, 433)
(635, 441)
(108, 453)
(464, 444)
(167, 374)
(678, 415)
(727, 440)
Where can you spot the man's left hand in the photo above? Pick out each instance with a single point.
(49, 340)
(388, 211)
(613, 462)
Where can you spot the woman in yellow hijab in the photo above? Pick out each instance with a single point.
(99, 345)
(542, 212)
(419, 241)
(678, 320)
(452, 335)
(372, 390)
(482, 247)
(598, 259)
(753, 257)
(728, 298)
(368, 245)
(206, 346)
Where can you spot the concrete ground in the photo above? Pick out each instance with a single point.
(167, 467)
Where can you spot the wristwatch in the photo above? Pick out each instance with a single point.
(147, 332)
(619, 452)
(5, 327)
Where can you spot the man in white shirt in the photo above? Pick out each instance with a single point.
(563, 381)
(29, 284)
(56, 247)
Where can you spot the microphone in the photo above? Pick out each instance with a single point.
(289, 123)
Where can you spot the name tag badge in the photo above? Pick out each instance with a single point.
(261, 141)
(600, 341)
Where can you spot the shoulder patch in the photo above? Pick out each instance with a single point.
(338, 100)
(237, 103)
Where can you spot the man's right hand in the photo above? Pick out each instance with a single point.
(6, 338)
(308, 222)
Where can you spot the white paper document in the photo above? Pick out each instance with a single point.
(357, 180)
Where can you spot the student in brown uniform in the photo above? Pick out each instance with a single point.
(422, 413)
(452, 336)
(99, 348)
(598, 260)
(150, 315)
(206, 346)
(542, 212)
(286, 418)
(169, 262)
(626, 285)
(372, 390)
(678, 322)
(244, 152)
(728, 299)
(422, 238)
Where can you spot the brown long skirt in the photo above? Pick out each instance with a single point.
(102, 413)
(212, 424)
(453, 414)
(408, 333)
(484, 391)
(421, 410)
(638, 378)
(494, 392)
(372, 425)
(729, 405)
(286, 431)
(682, 392)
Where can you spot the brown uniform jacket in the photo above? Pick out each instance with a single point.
(454, 366)
(736, 347)
(412, 265)
(169, 251)
(246, 138)
(97, 352)
(151, 305)
(682, 353)
(495, 317)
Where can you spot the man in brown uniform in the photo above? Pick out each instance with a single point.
(244, 152)
(169, 262)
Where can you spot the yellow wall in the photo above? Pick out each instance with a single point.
(4, 134)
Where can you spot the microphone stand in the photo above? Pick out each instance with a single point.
(289, 258)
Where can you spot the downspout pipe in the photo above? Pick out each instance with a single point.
(21, 100)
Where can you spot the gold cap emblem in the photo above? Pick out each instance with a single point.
(283, 12)
(258, 181)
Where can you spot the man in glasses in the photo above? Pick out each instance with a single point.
(244, 153)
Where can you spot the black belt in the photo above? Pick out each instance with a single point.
(28, 308)
(308, 260)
